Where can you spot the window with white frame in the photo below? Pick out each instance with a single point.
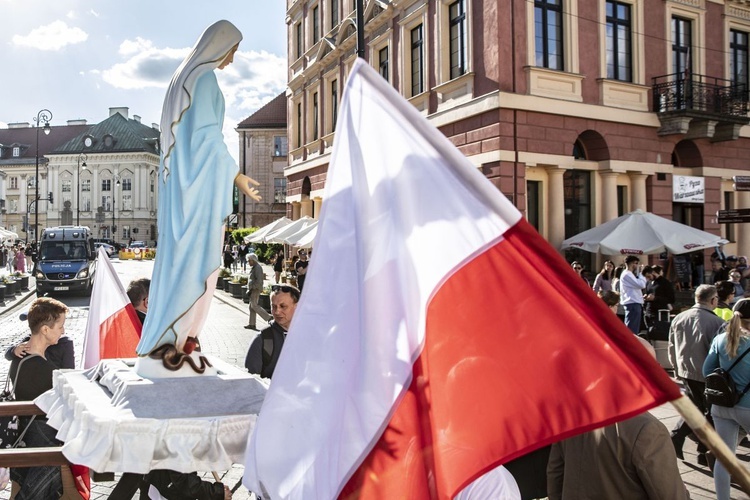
(315, 121)
(86, 202)
(280, 146)
(383, 62)
(16, 151)
(619, 41)
(13, 182)
(458, 38)
(334, 13)
(548, 33)
(86, 185)
(738, 60)
(67, 185)
(279, 190)
(127, 184)
(106, 184)
(13, 205)
(299, 42)
(682, 42)
(127, 201)
(334, 103)
(315, 23)
(299, 124)
(126, 232)
(417, 59)
(107, 203)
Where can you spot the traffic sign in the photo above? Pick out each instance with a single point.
(741, 182)
(733, 216)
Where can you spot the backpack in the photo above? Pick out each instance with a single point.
(720, 387)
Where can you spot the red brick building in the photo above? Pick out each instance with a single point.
(578, 110)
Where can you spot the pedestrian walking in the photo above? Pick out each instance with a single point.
(254, 287)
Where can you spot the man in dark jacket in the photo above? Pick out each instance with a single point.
(265, 349)
(659, 295)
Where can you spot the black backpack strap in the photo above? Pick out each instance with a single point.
(738, 359)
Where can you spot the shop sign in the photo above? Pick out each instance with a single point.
(686, 189)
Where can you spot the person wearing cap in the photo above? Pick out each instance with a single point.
(724, 351)
(632, 284)
(265, 349)
(690, 336)
(254, 287)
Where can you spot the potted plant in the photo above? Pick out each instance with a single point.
(24, 280)
(10, 286)
(235, 287)
(223, 274)
(265, 298)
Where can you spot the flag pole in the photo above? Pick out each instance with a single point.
(706, 433)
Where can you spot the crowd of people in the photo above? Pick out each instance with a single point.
(18, 257)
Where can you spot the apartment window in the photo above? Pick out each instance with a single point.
(86, 203)
(457, 14)
(106, 185)
(279, 190)
(548, 36)
(126, 232)
(280, 145)
(13, 206)
(86, 185)
(14, 182)
(67, 186)
(16, 151)
(298, 40)
(334, 13)
(681, 43)
(619, 45)
(383, 62)
(107, 203)
(334, 103)
(417, 60)
(738, 60)
(127, 201)
(315, 116)
(315, 24)
(622, 200)
(299, 124)
(127, 184)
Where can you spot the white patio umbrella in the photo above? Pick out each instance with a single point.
(257, 236)
(280, 235)
(642, 232)
(7, 235)
(305, 234)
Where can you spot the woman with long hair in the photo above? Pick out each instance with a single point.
(725, 349)
(603, 280)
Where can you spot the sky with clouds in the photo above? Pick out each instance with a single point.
(78, 58)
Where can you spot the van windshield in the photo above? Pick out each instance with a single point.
(63, 250)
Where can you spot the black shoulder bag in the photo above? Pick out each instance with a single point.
(720, 387)
(10, 432)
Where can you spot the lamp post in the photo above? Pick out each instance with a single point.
(45, 116)
(116, 178)
(81, 163)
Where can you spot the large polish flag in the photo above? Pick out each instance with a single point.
(438, 335)
(113, 328)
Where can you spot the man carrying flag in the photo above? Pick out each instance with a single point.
(411, 375)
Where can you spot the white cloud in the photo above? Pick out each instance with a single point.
(146, 65)
(70, 15)
(94, 13)
(53, 36)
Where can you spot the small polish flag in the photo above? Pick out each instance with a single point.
(113, 328)
(438, 335)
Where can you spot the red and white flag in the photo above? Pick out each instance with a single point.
(438, 334)
(113, 328)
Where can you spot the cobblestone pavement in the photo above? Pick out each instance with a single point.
(225, 337)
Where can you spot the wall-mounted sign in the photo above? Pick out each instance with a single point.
(687, 189)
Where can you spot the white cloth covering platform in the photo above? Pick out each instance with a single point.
(111, 420)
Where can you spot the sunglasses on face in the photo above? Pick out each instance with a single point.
(286, 289)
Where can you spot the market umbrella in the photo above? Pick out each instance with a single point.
(642, 232)
(280, 235)
(259, 235)
(7, 235)
(304, 237)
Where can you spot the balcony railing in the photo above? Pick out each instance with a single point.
(707, 94)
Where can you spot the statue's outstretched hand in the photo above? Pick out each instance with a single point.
(245, 184)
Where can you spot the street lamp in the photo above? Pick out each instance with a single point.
(45, 116)
(81, 163)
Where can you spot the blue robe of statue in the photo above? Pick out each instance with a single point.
(195, 197)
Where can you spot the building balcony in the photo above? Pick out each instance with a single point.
(699, 106)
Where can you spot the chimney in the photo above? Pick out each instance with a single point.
(122, 110)
(19, 125)
(137, 118)
(155, 126)
(80, 121)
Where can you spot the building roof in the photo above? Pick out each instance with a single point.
(25, 139)
(272, 115)
(116, 134)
